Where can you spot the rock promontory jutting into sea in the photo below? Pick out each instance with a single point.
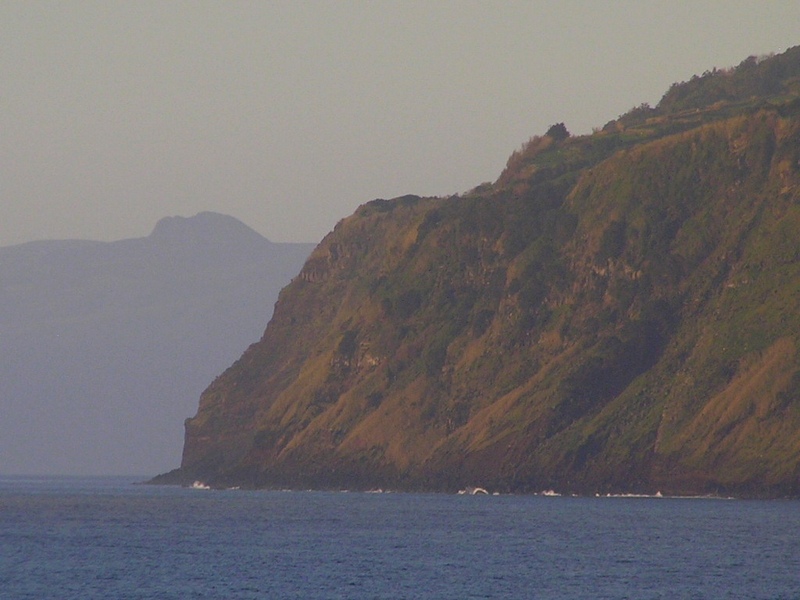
(617, 313)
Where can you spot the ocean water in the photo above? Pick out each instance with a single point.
(107, 538)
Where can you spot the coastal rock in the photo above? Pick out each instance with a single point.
(618, 313)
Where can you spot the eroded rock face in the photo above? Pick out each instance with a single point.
(618, 312)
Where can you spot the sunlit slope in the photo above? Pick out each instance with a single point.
(618, 312)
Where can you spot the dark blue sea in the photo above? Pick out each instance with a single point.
(107, 538)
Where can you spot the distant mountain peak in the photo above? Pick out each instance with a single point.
(205, 227)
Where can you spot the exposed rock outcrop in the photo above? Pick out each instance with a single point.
(618, 312)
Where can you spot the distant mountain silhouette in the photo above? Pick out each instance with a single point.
(105, 346)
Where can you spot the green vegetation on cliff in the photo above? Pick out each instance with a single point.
(617, 312)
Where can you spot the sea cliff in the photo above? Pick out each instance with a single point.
(618, 312)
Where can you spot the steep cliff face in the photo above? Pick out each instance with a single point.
(618, 312)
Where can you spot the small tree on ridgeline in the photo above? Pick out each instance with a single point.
(558, 132)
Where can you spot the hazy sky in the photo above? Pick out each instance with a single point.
(288, 115)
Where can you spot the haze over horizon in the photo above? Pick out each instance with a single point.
(288, 116)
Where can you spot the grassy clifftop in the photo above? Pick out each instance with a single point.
(617, 312)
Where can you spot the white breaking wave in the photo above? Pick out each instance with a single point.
(473, 491)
